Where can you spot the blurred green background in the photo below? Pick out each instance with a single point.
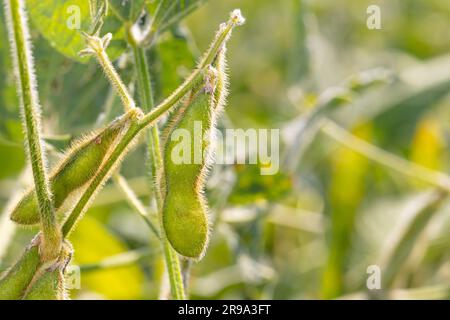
(312, 230)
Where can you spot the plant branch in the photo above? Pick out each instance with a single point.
(221, 37)
(156, 163)
(148, 120)
(174, 270)
(172, 260)
(97, 46)
(147, 101)
(26, 82)
(101, 177)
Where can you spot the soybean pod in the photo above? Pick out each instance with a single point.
(184, 213)
(48, 284)
(77, 168)
(16, 280)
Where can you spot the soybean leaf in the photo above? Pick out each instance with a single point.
(13, 163)
(175, 58)
(61, 23)
(169, 12)
(9, 107)
(128, 10)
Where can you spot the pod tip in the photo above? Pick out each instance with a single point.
(237, 18)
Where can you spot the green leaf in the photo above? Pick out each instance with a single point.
(127, 10)
(167, 13)
(14, 162)
(11, 132)
(175, 59)
(61, 23)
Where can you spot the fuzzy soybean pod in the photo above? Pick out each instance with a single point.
(15, 281)
(48, 284)
(76, 169)
(184, 213)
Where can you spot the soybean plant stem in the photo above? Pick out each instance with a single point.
(97, 46)
(26, 82)
(114, 78)
(196, 76)
(136, 127)
(174, 270)
(172, 260)
(156, 162)
(147, 102)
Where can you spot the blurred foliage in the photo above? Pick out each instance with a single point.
(60, 23)
(120, 283)
(309, 231)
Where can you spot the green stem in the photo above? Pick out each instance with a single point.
(171, 257)
(97, 46)
(148, 120)
(195, 77)
(113, 159)
(101, 176)
(23, 63)
(154, 152)
(134, 202)
(174, 271)
(115, 80)
(147, 101)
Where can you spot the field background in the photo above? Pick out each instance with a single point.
(312, 230)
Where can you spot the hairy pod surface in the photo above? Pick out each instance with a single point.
(184, 213)
(15, 281)
(77, 168)
(48, 284)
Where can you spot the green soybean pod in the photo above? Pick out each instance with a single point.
(48, 286)
(15, 281)
(184, 212)
(48, 282)
(77, 168)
